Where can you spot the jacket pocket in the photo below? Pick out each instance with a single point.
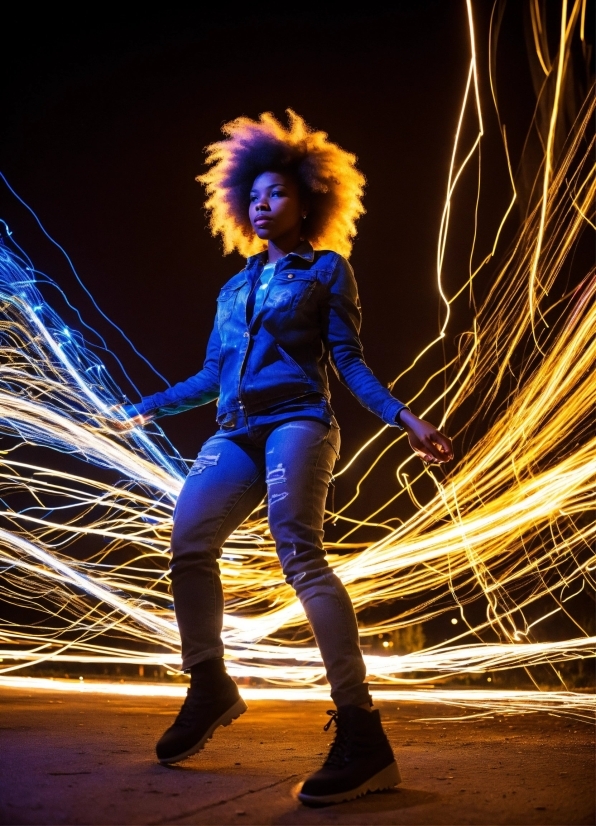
(225, 304)
(289, 289)
(287, 358)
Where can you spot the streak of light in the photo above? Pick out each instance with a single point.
(477, 703)
(548, 158)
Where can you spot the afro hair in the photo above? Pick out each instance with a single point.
(327, 176)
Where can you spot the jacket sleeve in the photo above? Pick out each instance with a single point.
(341, 329)
(197, 390)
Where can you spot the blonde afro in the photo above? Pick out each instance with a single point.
(326, 174)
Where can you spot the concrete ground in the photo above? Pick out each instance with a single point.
(85, 759)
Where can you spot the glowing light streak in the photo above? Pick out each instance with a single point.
(76, 275)
(540, 41)
(472, 659)
(487, 703)
(566, 29)
(453, 178)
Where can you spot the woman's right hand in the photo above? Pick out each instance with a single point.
(123, 421)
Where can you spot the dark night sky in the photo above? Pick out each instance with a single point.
(107, 113)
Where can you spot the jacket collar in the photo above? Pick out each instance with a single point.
(303, 250)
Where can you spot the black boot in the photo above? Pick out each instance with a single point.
(360, 760)
(212, 700)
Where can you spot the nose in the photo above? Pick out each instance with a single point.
(261, 204)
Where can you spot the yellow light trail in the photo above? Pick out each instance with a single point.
(512, 526)
(483, 703)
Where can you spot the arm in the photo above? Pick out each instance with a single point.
(197, 390)
(341, 328)
(342, 336)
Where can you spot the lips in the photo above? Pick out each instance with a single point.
(262, 221)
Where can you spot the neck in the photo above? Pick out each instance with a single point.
(282, 246)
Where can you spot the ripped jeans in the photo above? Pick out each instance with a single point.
(293, 463)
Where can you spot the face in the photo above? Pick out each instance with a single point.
(275, 209)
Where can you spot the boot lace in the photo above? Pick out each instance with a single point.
(190, 707)
(341, 748)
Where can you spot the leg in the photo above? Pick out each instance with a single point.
(300, 457)
(223, 487)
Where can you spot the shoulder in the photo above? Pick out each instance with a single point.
(238, 280)
(329, 259)
(340, 275)
(335, 267)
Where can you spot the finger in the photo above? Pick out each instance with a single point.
(430, 460)
(445, 443)
(442, 447)
(424, 455)
(436, 454)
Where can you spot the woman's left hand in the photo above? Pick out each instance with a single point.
(425, 440)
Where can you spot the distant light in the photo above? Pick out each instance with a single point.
(385, 644)
(454, 621)
(80, 678)
(489, 679)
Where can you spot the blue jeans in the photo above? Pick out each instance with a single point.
(292, 462)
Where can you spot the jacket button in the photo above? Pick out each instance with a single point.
(290, 275)
(246, 335)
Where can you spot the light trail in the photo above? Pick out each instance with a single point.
(475, 703)
(86, 507)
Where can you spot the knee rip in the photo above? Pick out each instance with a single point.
(204, 460)
(276, 476)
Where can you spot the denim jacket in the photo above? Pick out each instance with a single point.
(310, 317)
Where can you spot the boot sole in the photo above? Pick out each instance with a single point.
(226, 719)
(387, 778)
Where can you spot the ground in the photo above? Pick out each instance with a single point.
(85, 759)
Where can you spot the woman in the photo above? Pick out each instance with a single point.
(289, 197)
